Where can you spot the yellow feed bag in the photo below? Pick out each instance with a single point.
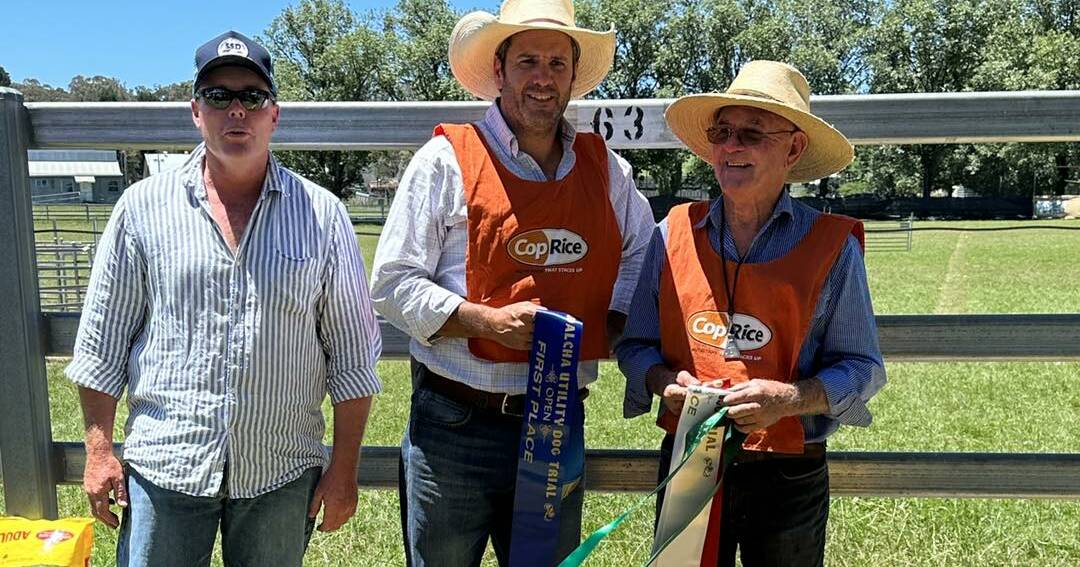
(60, 543)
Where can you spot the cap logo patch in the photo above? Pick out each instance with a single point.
(232, 46)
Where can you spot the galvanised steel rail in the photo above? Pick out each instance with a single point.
(941, 118)
(33, 464)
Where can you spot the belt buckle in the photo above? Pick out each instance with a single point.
(504, 410)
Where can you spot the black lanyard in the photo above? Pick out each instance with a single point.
(723, 264)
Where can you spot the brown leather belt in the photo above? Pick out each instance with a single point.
(506, 404)
(810, 451)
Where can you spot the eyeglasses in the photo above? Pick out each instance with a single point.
(746, 136)
(220, 98)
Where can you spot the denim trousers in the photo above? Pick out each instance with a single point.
(457, 478)
(774, 511)
(163, 528)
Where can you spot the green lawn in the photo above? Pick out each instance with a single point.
(1015, 407)
(1018, 271)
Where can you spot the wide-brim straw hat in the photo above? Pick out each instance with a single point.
(778, 88)
(478, 34)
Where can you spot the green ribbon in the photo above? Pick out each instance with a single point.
(732, 442)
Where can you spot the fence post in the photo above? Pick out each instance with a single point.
(25, 429)
(78, 276)
(910, 229)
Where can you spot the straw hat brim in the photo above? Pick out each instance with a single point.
(827, 152)
(477, 35)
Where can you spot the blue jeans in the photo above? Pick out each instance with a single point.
(163, 528)
(775, 511)
(459, 469)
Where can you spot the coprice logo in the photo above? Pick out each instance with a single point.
(714, 329)
(547, 247)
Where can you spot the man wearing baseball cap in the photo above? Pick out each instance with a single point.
(761, 295)
(228, 297)
(492, 222)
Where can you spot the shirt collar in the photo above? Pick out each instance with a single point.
(505, 137)
(191, 174)
(716, 210)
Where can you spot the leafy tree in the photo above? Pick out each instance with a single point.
(643, 35)
(929, 46)
(827, 40)
(174, 92)
(418, 33)
(5, 79)
(97, 89)
(703, 54)
(1033, 46)
(831, 40)
(1062, 15)
(35, 91)
(323, 52)
(667, 49)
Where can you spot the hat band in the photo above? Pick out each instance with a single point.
(800, 104)
(544, 21)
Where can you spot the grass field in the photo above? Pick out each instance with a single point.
(1009, 407)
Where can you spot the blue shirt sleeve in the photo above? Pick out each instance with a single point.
(114, 309)
(842, 350)
(639, 348)
(347, 329)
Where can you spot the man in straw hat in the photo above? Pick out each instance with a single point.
(764, 296)
(493, 221)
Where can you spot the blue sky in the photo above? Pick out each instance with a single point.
(139, 42)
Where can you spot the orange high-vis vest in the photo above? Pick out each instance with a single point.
(774, 304)
(555, 243)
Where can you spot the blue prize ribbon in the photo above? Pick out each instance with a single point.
(551, 457)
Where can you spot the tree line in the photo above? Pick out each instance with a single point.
(325, 51)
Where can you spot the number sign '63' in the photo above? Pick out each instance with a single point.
(624, 124)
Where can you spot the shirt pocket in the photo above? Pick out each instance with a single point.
(294, 276)
(296, 248)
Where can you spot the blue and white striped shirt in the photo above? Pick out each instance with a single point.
(227, 358)
(841, 348)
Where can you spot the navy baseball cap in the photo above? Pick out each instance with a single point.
(234, 48)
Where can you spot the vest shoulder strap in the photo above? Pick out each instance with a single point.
(469, 149)
(853, 227)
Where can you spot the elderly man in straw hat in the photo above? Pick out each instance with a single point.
(785, 290)
(493, 221)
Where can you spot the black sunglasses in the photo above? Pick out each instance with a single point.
(746, 136)
(221, 97)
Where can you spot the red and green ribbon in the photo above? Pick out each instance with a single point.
(732, 442)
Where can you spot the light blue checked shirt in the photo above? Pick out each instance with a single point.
(226, 359)
(841, 348)
(418, 278)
